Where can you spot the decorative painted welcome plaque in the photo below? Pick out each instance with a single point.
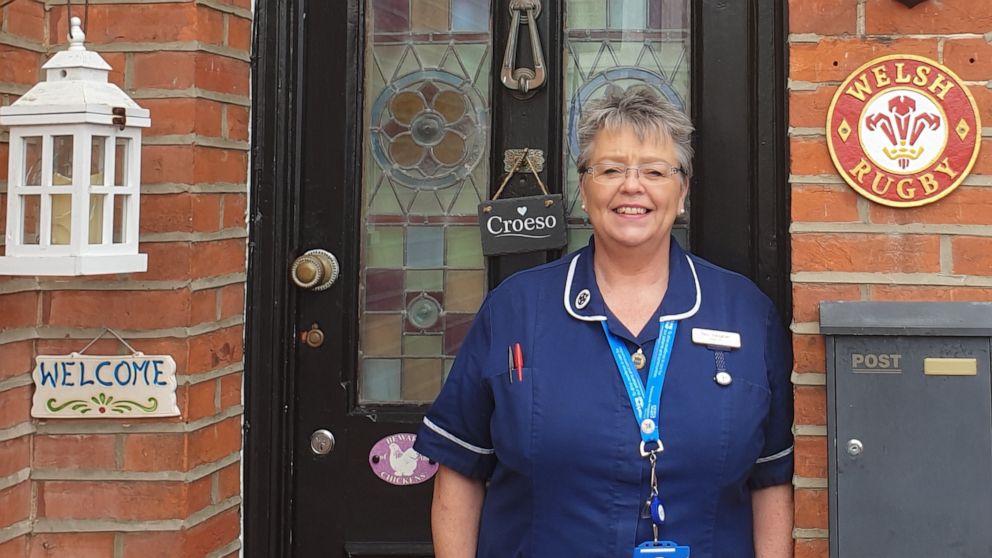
(94, 386)
(903, 130)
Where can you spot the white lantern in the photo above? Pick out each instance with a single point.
(73, 181)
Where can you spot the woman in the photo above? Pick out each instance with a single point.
(552, 436)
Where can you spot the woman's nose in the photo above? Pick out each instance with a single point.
(632, 181)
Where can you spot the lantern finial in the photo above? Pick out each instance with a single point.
(76, 35)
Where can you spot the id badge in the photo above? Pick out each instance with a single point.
(662, 549)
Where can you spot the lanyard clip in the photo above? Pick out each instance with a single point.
(658, 448)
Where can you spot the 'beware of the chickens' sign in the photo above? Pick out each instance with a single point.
(394, 460)
(903, 130)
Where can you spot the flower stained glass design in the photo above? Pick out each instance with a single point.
(619, 44)
(429, 130)
(427, 83)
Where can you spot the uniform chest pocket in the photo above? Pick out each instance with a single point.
(745, 415)
(512, 423)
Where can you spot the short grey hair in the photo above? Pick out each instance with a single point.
(644, 111)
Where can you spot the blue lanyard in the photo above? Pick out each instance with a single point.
(645, 405)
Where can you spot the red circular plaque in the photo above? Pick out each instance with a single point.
(903, 130)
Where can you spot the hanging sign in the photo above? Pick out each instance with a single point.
(78, 385)
(903, 130)
(522, 224)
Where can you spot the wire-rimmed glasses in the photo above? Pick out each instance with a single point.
(651, 174)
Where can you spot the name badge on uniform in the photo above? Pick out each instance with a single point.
(716, 338)
(663, 549)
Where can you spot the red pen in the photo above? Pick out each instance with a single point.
(518, 361)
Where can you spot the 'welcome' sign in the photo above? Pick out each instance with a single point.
(524, 224)
(94, 386)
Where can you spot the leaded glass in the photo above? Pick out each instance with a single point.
(619, 43)
(425, 172)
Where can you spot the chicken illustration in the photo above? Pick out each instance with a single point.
(404, 463)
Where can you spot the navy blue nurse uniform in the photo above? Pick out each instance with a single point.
(560, 449)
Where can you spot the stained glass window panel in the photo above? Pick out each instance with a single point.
(429, 15)
(380, 380)
(381, 334)
(470, 15)
(425, 172)
(619, 44)
(628, 14)
(391, 16)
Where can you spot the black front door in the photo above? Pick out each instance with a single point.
(379, 127)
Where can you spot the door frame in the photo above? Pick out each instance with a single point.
(752, 118)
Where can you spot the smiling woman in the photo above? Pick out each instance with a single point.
(632, 292)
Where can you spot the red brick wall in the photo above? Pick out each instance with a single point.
(139, 488)
(847, 248)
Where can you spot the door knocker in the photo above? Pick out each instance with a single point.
(523, 79)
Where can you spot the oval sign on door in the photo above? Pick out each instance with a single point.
(394, 460)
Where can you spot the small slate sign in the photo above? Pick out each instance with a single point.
(94, 386)
(525, 224)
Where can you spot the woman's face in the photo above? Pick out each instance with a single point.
(632, 214)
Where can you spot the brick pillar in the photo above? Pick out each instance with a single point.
(22, 52)
(847, 248)
(156, 487)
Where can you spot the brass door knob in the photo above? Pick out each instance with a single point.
(315, 270)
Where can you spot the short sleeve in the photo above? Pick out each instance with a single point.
(455, 431)
(775, 466)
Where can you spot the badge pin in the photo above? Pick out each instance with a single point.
(647, 426)
(723, 378)
(639, 359)
(582, 300)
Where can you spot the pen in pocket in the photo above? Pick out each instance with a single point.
(515, 362)
(509, 363)
(518, 360)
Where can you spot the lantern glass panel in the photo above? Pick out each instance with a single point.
(31, 219)
(120, 219)
(96, 218)
(98, 159)
(121, 161)
(61, 219)
(61, 160)
(32, 161)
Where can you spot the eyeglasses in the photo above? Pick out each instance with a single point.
(654, 174)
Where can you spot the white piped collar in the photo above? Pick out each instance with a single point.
(682, 274)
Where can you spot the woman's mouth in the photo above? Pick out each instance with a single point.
(630, 210)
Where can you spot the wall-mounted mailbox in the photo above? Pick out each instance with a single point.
(909, 428)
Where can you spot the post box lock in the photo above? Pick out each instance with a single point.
(855, 447)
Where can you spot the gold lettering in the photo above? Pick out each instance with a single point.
(878, 180)
(881, 78)
(929, 183)
(922, 76)
(860, 170)
(904, 191)
(941, 83)
(859, 88)
(900, 76)
(945, 167)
